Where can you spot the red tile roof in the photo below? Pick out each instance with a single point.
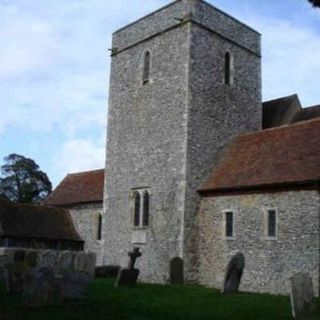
(76, 188)
(278, 156)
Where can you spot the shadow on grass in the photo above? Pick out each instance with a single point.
(148, 302)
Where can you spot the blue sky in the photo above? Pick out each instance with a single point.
(54, 70)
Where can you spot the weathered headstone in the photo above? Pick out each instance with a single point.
(14, 272)
(74, 285)
(176, 271)
(31, 258)
(128, 276)
(301, 296)
(40, 288)
(66, 261)
(13, 280)
(90, 264)
(50, 259)
(233, 274)
(85, 262)
(19, 255)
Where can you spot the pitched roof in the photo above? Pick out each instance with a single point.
(31, 221)
(278, 156)
(76, 188)
(307, 114)
(280, 111)
(286, 110)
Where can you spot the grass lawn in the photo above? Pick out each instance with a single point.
(154, 302)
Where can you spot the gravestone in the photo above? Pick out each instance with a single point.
(13, 280)
(176, 271)
(40, 288)
(301, 296)
(31, 258)
(14, 272)
(50, 259)
(85, 262)
(233, 274)
(66, 261)
(128, 276)
(74, 285)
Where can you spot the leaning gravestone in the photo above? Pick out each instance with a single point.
(234, 273)
(40, 288)
(128, 276)
(301, 295)
(176, 271)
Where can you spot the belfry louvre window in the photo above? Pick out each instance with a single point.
(229, 220)
(272, 223)
(146, 67)
(141, 207)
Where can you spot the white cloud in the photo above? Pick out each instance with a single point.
(290, 60)
(54, 69)
(78, 155)
(26, 43)
(69, 103)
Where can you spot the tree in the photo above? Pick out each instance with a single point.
(315, 3)
(22, 181)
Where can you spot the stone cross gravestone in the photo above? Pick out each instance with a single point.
(301, 295)
(133, 257)
(176, 271)
(234, 273)
(129, 276)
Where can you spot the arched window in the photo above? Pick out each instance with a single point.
(146, 67)
(136, 218)
(228, 68)
(99, 233)
(141, 207)
(145, 208)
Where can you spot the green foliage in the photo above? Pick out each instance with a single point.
(155, 302)
(315, 3)
(22, 181)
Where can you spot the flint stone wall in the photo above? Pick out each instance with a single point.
(269, 263)
(168, 134)
(199, 12)
(86, 219)
(146, 148)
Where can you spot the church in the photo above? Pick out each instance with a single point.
(197, 167)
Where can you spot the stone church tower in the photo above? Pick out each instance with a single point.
(184, 81)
